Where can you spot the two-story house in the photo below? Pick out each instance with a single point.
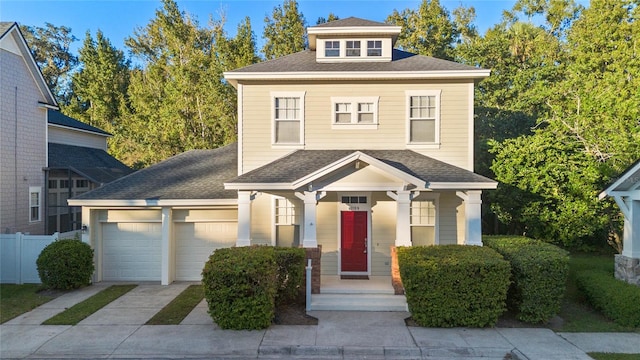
(352, 146)
(45, 156)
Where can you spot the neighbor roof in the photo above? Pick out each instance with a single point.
(195, 174)
(304, 162)
(628, 180)
(94, 164)
(58, 118)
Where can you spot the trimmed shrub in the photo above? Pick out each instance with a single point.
(539, 276)
(454, 285)
(618, 300)
(290, 273)
(240, 285)
(65, 264)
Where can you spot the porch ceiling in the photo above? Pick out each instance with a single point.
(303, 167)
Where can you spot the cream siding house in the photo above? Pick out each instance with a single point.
(350, 146)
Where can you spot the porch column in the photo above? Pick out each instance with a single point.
(631, 237)
(244, 218)
(168, 253)
(309, 236)
(473, 216)
(403, 223)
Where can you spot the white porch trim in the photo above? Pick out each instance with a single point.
(244, 217)
(473, 216)
(310, 198)
(403, 212)
(168, 247)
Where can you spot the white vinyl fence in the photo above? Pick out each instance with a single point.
(18, 255)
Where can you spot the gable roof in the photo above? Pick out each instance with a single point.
(58, 118)
(12, 29)
(303, 66)
(628, 180)
(302, 165)
(195, 174)
(94, 164)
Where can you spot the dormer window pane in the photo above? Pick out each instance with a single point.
(353, 48)
(343, 113)
(365, 113)
(332, 48)
(374, 48)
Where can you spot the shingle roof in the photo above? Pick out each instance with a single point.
(304, 162)
(94, 164)
(195, 174)
(58, 118)
(4, 27)
(305, 61)
(351, 22)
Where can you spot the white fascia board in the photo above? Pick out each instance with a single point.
(79, 130)
(151, 202)
(258, 186)
(632, 172)
(357, 155)
(462, 186)
(383, 29)
(337, 75)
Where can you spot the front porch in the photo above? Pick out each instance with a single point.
(374, 294)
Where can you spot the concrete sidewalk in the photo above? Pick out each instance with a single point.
(117, 331)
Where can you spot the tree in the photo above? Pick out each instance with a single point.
(50, 48)
(427, 31)
(179, 98)
(284, 32)
(330, 18)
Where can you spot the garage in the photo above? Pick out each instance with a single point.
(197, 234)
(131, 251)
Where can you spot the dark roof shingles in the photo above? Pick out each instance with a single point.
(351, 22)
(195, 174)
(58, 118)
(303, 162)
(96, 164)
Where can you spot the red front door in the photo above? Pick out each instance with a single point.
(354, 241)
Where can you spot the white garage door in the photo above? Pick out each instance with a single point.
(196, 241)
(131, 251)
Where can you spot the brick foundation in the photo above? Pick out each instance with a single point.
(627, 269)
(396, 281)
(315, 254)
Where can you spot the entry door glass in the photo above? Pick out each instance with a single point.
(354, 241)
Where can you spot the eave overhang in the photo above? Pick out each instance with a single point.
(151, 202)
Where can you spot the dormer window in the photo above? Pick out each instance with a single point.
(353, 48)
(374, 48)
(332, 48)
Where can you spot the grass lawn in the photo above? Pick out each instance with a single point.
(18, 299)
(179, 308)
(609, 356)
(577, 314)
(79, 311)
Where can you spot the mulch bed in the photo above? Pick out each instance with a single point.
(294, 313)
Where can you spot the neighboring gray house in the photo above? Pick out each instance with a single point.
(45, 157)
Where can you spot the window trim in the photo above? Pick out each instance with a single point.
(435, 198)
(355, 101)
(287, 94)
(423, 145)
(353, 43)
(332, 48)
(35, 190)
(374, 48)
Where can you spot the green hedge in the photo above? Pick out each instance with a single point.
(290, 273)
(453, 285)
(539, 273)
(240, 285)
(65, 264)
(618, 300)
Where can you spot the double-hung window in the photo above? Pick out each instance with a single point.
(354, 112)
(288, 118)
(34, 203)
(332, 48)
(423, 112)
(353, 48)
(374, 48)
(423, 218)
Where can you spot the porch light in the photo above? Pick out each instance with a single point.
(84, 229)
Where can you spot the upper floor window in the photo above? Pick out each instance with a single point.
(332, 48)
(34, 203)
(353, 48)
(82, 183)
(355, 112)
(423, 108)
(288, 118)
(374, 48)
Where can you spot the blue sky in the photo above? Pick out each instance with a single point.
(117, 19)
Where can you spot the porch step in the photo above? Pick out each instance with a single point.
(358, 302)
